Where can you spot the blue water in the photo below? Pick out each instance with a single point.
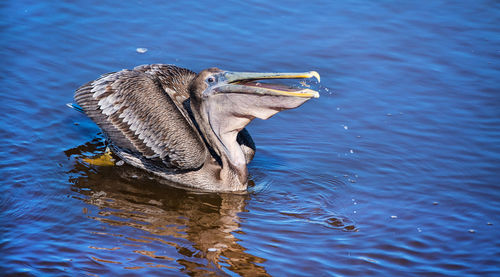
(393, 171)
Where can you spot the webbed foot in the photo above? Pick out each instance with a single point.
(105, 159)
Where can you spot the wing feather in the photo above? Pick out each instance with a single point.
(138, 114)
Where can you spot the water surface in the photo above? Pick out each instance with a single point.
(393, 171)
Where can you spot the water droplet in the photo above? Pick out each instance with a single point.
(435, 203)
(489, 223)
(345, 127)
(351, 151)
(368, 260)
(472, 231)
(141, 50)
(212, 249)
(394, 216)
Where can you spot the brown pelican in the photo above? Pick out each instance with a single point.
(185, 127)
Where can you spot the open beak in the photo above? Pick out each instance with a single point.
(247, 83)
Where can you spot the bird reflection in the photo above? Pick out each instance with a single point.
(199, 226)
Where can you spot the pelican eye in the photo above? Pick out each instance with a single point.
(210, 80)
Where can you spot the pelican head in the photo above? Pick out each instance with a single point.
(224, 102)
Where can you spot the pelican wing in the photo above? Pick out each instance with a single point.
(138, 116)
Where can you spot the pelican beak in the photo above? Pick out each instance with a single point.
(247, 83)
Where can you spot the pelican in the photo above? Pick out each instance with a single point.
(185, 127)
